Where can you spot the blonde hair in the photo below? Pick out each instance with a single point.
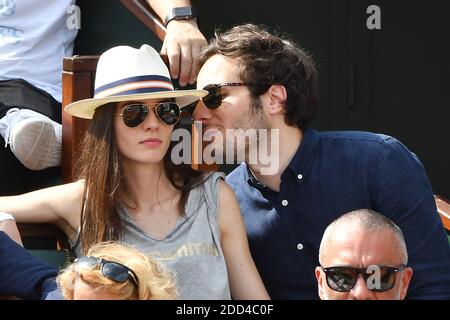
(155, 283)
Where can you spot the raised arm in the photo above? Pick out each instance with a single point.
(60, 205)
(182, 43)
(245, 282)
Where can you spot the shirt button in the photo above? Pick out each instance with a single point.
(284, 203)
(300, 176)
(300, 246)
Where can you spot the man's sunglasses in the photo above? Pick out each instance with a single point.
(136, 113)
(110, 270)
(214, 98)
(343, 279)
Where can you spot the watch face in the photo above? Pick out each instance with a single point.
(182, 12)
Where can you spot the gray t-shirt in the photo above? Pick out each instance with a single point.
(192, 250)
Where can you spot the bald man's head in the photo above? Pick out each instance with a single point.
(363, 220)
(363, 240)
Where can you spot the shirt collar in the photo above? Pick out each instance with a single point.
(251, 179)
(300, 163)
(304, 157)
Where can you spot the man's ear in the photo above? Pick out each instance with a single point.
(320, 282)
(277, 97)
(406, 278)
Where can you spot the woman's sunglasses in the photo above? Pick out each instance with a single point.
(214, 98)
(343, 279)
(136, 113)
(110, 270)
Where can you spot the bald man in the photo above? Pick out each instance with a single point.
(363, 257)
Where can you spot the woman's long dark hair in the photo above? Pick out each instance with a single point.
(105, 188)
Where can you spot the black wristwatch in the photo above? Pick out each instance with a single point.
(180, 13)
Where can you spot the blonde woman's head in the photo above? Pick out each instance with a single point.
(112, 271)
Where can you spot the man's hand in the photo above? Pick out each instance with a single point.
(182, 44)
(10, 228)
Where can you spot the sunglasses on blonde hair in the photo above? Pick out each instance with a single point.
(110, 270)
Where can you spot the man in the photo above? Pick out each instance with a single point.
(266, 82)
(363, 257)
(31, 56)
(183, 40)
(8, 226)
(34, 38)
(99, 276)
(32, 278)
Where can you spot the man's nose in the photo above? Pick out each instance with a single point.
(360, 290)
(201, 112)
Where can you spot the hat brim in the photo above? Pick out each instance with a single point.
(86, 108)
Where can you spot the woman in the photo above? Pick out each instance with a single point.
(110, 272)
(129, 190)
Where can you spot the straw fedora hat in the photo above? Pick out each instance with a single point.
(127, 74)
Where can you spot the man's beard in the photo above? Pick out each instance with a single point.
(240, 148)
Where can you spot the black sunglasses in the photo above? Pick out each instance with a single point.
(134, 114)
(110, 270)
(214, 98)
(343, 279)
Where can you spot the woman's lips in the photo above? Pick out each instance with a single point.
(151, 142)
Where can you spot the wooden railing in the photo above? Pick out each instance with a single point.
(147, 16)
(443, 207)
(78, 83)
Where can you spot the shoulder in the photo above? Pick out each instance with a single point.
(239, 174)
(218, 193)
(206, 191)
(368, 157)
(226, 193)
(213, 177)
(359, 145)
(210, 182)
(380, 147)
(356, 137)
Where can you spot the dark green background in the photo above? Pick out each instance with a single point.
(393, 81)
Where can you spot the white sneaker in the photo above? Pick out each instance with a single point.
(33, 138)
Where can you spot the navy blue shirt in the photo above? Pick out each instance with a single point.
(333, 173)
(24, 276)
